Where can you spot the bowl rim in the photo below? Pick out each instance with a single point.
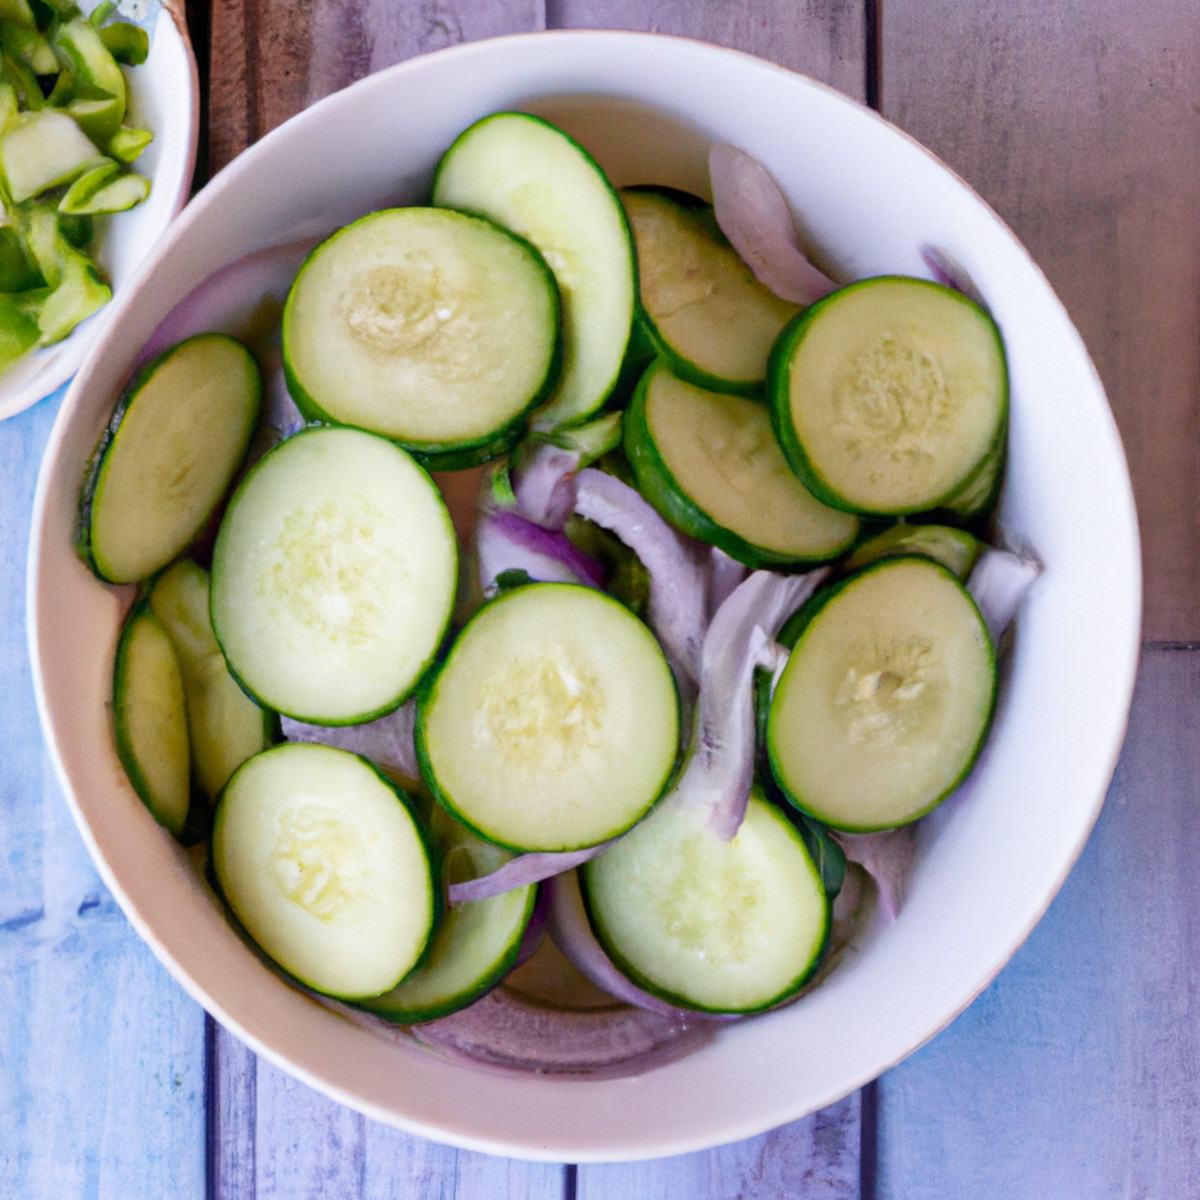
(560, 1150)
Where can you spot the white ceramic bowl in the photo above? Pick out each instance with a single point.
(869, 196)
(164, 98)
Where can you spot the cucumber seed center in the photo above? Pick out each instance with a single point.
(318, 861)
(888, 691)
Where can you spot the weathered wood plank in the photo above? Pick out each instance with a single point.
(101, 1056)
(272, 58)
(1077, 121)
(816, 1159)
(822, 38)
(1075, 1073)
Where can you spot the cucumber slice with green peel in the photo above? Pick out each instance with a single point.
(530, 177)
(150, 719)
(475, 944)
(18, 332)
(886, 698)
(321, 860)
(42, 150)
(718, 926)
(333, 577)
(553, 723)
(225, 727)
(126, 144)
(78, 294)
(890, 395)
(711, 465)
(956, 549)
(117, 195)
(90, 66)
(434, 328)
(167, 458)
(702, 307)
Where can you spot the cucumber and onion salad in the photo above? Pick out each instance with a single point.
(66, 155)
(707, 629)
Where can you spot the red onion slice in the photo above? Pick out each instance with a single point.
(888, 857)
(720, 764)
(678, 587)
(724, 574)
(521, 871)
(754, 215)
(507, 542)
(545, 466)
(388, 742)
(949, 272)
(999, 583)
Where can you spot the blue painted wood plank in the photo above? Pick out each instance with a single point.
(274, 1137)
(816, 1158)
(1075, 1074)
(101, 1054)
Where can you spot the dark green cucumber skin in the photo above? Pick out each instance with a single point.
(446, 456)
(108, 436)
(700, 212)
(793, 631)
(656, 483)
(685, 1002)
(866, 553)
(778, 393)
(406, 801)
(415, 1014)
(626, 368)
(383, 710)
(426, 696)
(192, 822)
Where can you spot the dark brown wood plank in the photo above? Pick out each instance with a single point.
(1077, 121)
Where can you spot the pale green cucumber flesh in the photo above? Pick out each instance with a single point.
(531, 178)
(150, 719)
(43, 149)
(889, 395)
(225, 727)
(705, 311)
(168, 456)
(475, 944)
(711, 465)
(324, 865)
(434, 328)
(334, 576)
(553, 723)
(709, 924)
(886, 698)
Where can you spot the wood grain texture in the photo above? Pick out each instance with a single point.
(816, 1158)
(822, 38)
(101, 1054)
(1075, 1074)
(272, 58)
(1077, 120)
(273, 1138)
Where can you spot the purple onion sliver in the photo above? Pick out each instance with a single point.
(544, 486)
(506, 542)
(724, 574)
(522, 871)
(999, 583)
(950, 273)
(531, 940)
(387, 741)
(888, 858)
(754, 215)
(678, 587)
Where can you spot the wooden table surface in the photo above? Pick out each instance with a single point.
(1077, 1074)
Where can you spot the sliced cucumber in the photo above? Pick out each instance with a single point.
(168, 456)
(886, 698)
(890, 395)
(703, 309)
(225, 727)
(150, 718)
(530, 177)
(434, 328)
(709, 924)
(475, 945)
(44, 149)
(334, 576)
(956, 549)
(711, 465)
(322, 862)
(553, 724)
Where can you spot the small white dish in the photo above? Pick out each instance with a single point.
(649, 107)
(164, 97)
